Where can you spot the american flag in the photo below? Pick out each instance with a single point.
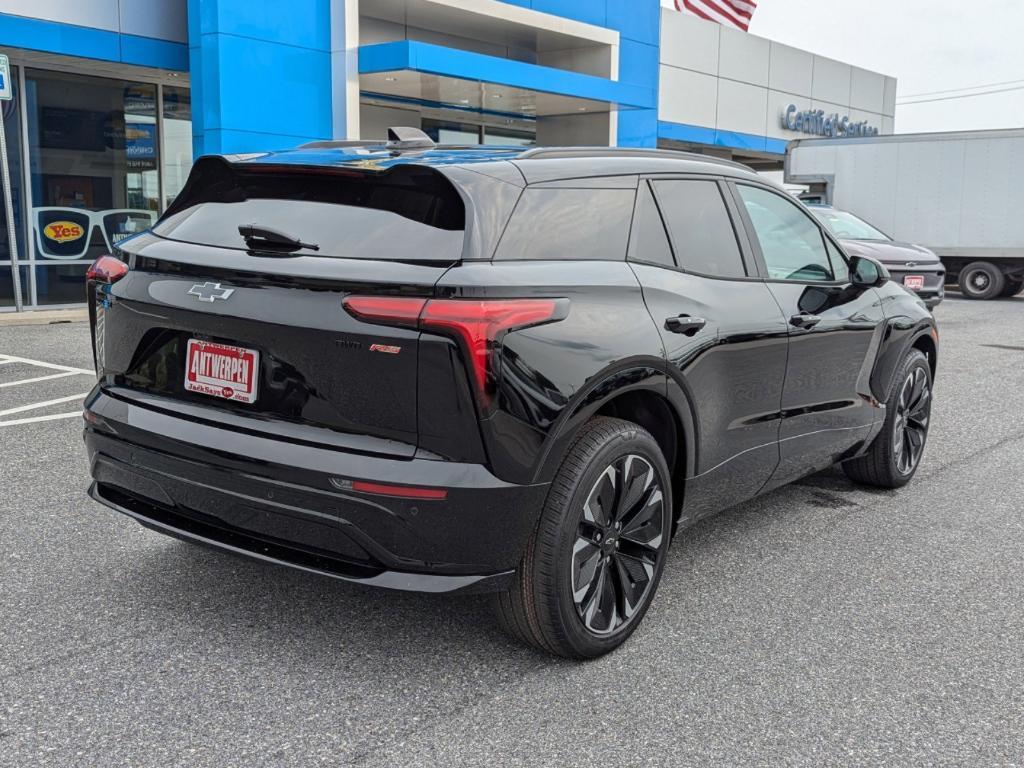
(731, 13)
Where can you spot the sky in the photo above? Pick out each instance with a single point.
(939, 45)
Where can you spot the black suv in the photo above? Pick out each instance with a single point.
(457, 369)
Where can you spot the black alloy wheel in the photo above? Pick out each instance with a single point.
(910, 427)
(592, 566)
(618, 544)
(895, 455)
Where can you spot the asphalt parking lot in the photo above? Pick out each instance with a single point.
(820, 624)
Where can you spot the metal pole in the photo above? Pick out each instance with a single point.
(12, 235)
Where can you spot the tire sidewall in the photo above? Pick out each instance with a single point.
(629, 440)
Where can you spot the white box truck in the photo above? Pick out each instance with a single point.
(960, 194)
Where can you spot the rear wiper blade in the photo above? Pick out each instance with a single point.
(266, 239)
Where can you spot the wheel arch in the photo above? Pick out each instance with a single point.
(900, 337)
(925, 342)
(636, 392)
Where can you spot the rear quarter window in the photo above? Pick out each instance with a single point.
(569, 224)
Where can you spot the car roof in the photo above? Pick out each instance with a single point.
(535, 164)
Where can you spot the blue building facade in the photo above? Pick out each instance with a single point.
(114, 98)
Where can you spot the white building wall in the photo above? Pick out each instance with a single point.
(716, 77)
(161, 19)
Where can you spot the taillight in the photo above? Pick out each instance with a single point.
(106, 269)
(476, 323)
(480, 323)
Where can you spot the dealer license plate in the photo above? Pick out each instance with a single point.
(222, 371)
(914, 282)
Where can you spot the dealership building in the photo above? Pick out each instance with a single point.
(112, 99)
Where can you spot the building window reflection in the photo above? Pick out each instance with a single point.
(105, 156)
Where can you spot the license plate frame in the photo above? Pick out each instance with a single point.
(913, 282)
(222, 370)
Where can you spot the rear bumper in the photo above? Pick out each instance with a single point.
(274, 500)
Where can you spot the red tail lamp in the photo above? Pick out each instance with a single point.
(106, 269)
(476, 323)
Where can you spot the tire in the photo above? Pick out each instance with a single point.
(547, 606)
(981, 281)
(1013, 287)
(895, 455)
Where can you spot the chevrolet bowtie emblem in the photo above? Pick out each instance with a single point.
(210, 292)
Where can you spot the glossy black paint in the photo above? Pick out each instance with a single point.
(741, 397)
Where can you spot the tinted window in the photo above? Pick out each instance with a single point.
(560, 224)
(407, 212)
(701, 230)
(791, 241)
(842, 272)
(649, 240)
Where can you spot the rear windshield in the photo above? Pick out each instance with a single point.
(408, 213)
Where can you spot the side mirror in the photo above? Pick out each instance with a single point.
(867, 273)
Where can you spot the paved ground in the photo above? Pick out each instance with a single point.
(822, 624)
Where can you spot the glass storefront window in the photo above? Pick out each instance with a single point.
(94, 171)
(12, 127)
(177, 140)
(507, 137)
(451, 133)
(105, 157)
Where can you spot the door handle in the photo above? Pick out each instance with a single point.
(804, 320)
(685, 324)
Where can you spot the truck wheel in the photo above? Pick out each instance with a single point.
(1013, 287)
(593, 564)
(982, 281)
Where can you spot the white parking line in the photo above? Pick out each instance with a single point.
(4, 359)
(34, 419)
(33, 406)
(50, 377)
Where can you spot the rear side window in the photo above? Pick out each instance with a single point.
(410, 212)
(649, 240)
(698, 221)
(561, 224)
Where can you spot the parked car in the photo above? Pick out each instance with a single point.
(483, 369)
(916, 268)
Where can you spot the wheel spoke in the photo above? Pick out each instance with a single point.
(917, 389)
(600, 615)
(907, 462)
(586, 558)
(644, 522)
(920, 406)
(632, 580)
(600, 505)
(904, 397)
(916, 438)
(637, 476)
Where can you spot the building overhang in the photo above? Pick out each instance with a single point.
(408, 70)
